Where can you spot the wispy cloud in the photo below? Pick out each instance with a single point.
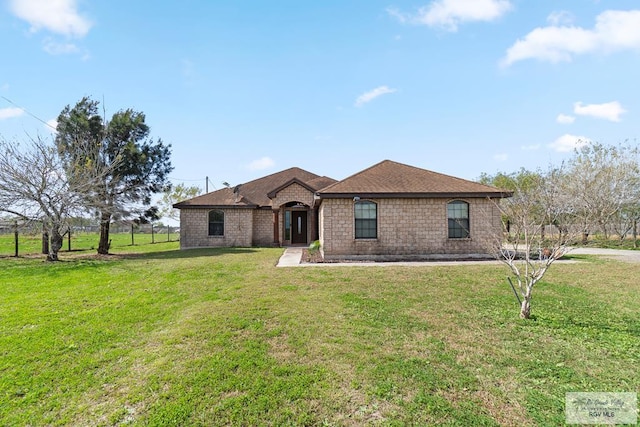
(449, 14)
(501, 157)
(261, 164)
(53, 47)
(561, 17)
(614, 30)
(531, 147)
(568, 142)
(8, 113)
(609, 111)
(565, 119)
(373, 94)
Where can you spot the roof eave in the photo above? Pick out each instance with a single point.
(177, 206)
(445, 195)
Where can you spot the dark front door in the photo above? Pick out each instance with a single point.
(298, 227)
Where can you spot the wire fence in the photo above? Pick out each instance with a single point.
(22, 239)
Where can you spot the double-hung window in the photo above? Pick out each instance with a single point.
(458, 218)
(366, 220)
(216, 223)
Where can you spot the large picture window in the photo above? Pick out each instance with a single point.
(216, 223)
(458, 216)
(366, 216)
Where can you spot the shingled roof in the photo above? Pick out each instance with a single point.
(392, 179)
(254, 193)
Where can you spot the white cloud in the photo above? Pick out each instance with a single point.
(568, 142)
(261, 164)
(7, 113)
(449, 14)
(532, 147)
(614, 31)
(57, 16)
(501, 157)
(565, 119)
(372, 94)
(609, 111)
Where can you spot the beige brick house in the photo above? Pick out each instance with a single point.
(388, 211)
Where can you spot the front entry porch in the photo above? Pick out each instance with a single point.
(295, 224)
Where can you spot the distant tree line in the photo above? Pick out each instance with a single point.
(596, 191)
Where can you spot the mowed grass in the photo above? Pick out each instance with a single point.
(223, 337)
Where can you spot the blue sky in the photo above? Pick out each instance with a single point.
(246, 88)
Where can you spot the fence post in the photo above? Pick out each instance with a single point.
(152, 235)
(132, 234)
(69, 240)
(168, 233)
(15, 234)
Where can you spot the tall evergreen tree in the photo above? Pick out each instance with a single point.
(139, 165)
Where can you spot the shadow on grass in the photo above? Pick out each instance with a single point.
(86, 257)
(189, 253)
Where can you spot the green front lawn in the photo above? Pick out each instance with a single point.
(222, 337)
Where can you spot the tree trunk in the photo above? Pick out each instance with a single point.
(525, 308)
(103, 245)
(55, 246)
(45, 242)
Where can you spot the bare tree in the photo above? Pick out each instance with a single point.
(528, 251)
(625, 222)
(603, 182)
(174, 195)
(34, 187)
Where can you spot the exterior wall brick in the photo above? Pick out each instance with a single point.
(262, 227)
(293, 193)
(406, 227)
(194, 228)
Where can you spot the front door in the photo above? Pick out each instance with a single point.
(298, 227)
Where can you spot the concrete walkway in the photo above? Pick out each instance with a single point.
(292, 257)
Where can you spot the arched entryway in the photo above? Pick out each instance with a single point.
(297, 223)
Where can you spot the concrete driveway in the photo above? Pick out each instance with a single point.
(617, 254)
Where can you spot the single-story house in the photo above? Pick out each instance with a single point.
(387, 211)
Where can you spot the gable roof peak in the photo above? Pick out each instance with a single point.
(389, 179)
